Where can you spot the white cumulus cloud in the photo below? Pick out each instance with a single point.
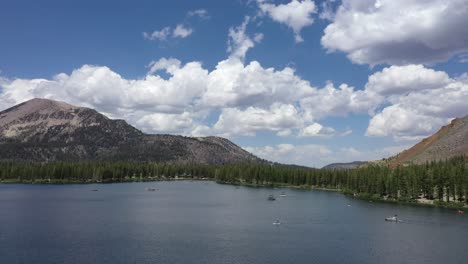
(398, 31)
(419, 101)
(403, 79)
(162, 122)
(341, 101)
(233, 83)
(296, 14)
(315, 130)
(239, 42)
(278, 118)
(168, 64)
(160, 35)
(181, 31)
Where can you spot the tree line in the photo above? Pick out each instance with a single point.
(441, 181)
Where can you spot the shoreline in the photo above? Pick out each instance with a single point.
(361, 196)
(65, 182)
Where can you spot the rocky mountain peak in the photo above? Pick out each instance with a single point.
(40, 120)
(44, 130)
(38, 107)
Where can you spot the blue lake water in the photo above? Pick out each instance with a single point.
(205, 222)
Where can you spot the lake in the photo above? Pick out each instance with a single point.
(205, 222)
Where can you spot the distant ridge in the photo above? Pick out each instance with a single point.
(450, 141)
(344, 166)
(48, 130)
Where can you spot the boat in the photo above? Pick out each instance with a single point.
(271, 198)
(94, 190)
(150, 189)
(277, 222)
(460, 212)
(392, 219)
(282, 194)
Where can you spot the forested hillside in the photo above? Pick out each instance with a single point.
(442, 181)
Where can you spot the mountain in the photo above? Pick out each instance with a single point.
(344, 166)
(450, 141)
(47, 130)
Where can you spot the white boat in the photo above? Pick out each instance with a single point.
(392, 219)
(277, 222)
(282, 194)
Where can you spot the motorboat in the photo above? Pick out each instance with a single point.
(150, 189)
(282, 194)
(271, 198)
(277, 222)
(392, 219)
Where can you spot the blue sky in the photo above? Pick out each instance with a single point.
(305, 82)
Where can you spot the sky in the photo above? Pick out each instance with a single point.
(304, 82)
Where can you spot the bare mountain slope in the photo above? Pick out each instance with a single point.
(450, 141)
(47, 130)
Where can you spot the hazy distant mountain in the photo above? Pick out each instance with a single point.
(450, 141)
(47, 130)
(344, 166)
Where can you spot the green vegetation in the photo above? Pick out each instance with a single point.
(84, 172)
(440, 183)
